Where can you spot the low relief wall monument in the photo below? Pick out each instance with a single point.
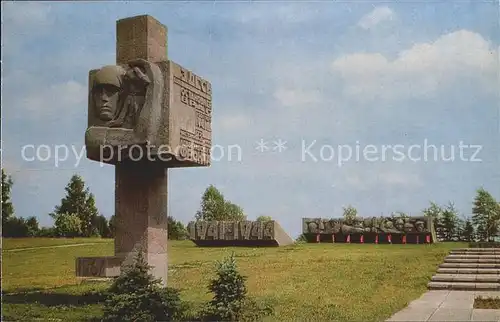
(411, 230)
(145, 114)
(238, 233)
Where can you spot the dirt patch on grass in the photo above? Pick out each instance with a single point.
(487, 303)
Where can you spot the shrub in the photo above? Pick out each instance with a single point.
(176, 230)
(301, 239)
(137, 296)
(15, 227)
(47, 232)
(350, 213)
(230, 301)
(264, 218)
(68, 225)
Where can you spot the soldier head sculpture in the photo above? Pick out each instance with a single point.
(118, 94)
(131, 113)
(106, 89)
(125, 106)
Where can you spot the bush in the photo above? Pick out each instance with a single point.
(176, 230)
(47, 232)
(20, 227)
(137, 296)
(264, 218)
(230, 301)
(68, 225)
(100, 227)
(301, 239)
(15, 227)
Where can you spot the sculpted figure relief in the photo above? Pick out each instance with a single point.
(119, 94)
(365, 225)
(106, 91)
(125, 106)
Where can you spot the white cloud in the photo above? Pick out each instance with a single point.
(259, 13)
(22, 22)
(460, 56)
(26, 13)
(61, 100)
(297, 97)
(380, 176)
(375, 17)
(233, 122)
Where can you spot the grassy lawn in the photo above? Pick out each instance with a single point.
(18, 243)
(302, 282)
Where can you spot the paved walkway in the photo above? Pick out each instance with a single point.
(448, 306)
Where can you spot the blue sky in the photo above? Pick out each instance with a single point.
(321, 73)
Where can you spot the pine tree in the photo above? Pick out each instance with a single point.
(136, 295)
(32, 226)
(468, 232)
(176, 229)
(102, 226)
(486, 214)
(450, 221)
(112, 226)
(229, 291)
(7, 207)
(79, 201)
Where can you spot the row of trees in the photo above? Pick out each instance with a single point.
(76, 216)
(215, 207)
(483, 225)
(16, 226)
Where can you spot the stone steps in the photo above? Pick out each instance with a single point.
(471, 260)
(476, 278)
(464, 286)
(476, 256)
(469, 265)
(474, 253)
(468, 269)
(476, 250)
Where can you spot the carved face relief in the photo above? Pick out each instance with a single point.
(399, 224)
(126, 106)
(106, 91)
(419, 225)
(313, 227)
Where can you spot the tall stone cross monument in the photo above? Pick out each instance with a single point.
(145, 114)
